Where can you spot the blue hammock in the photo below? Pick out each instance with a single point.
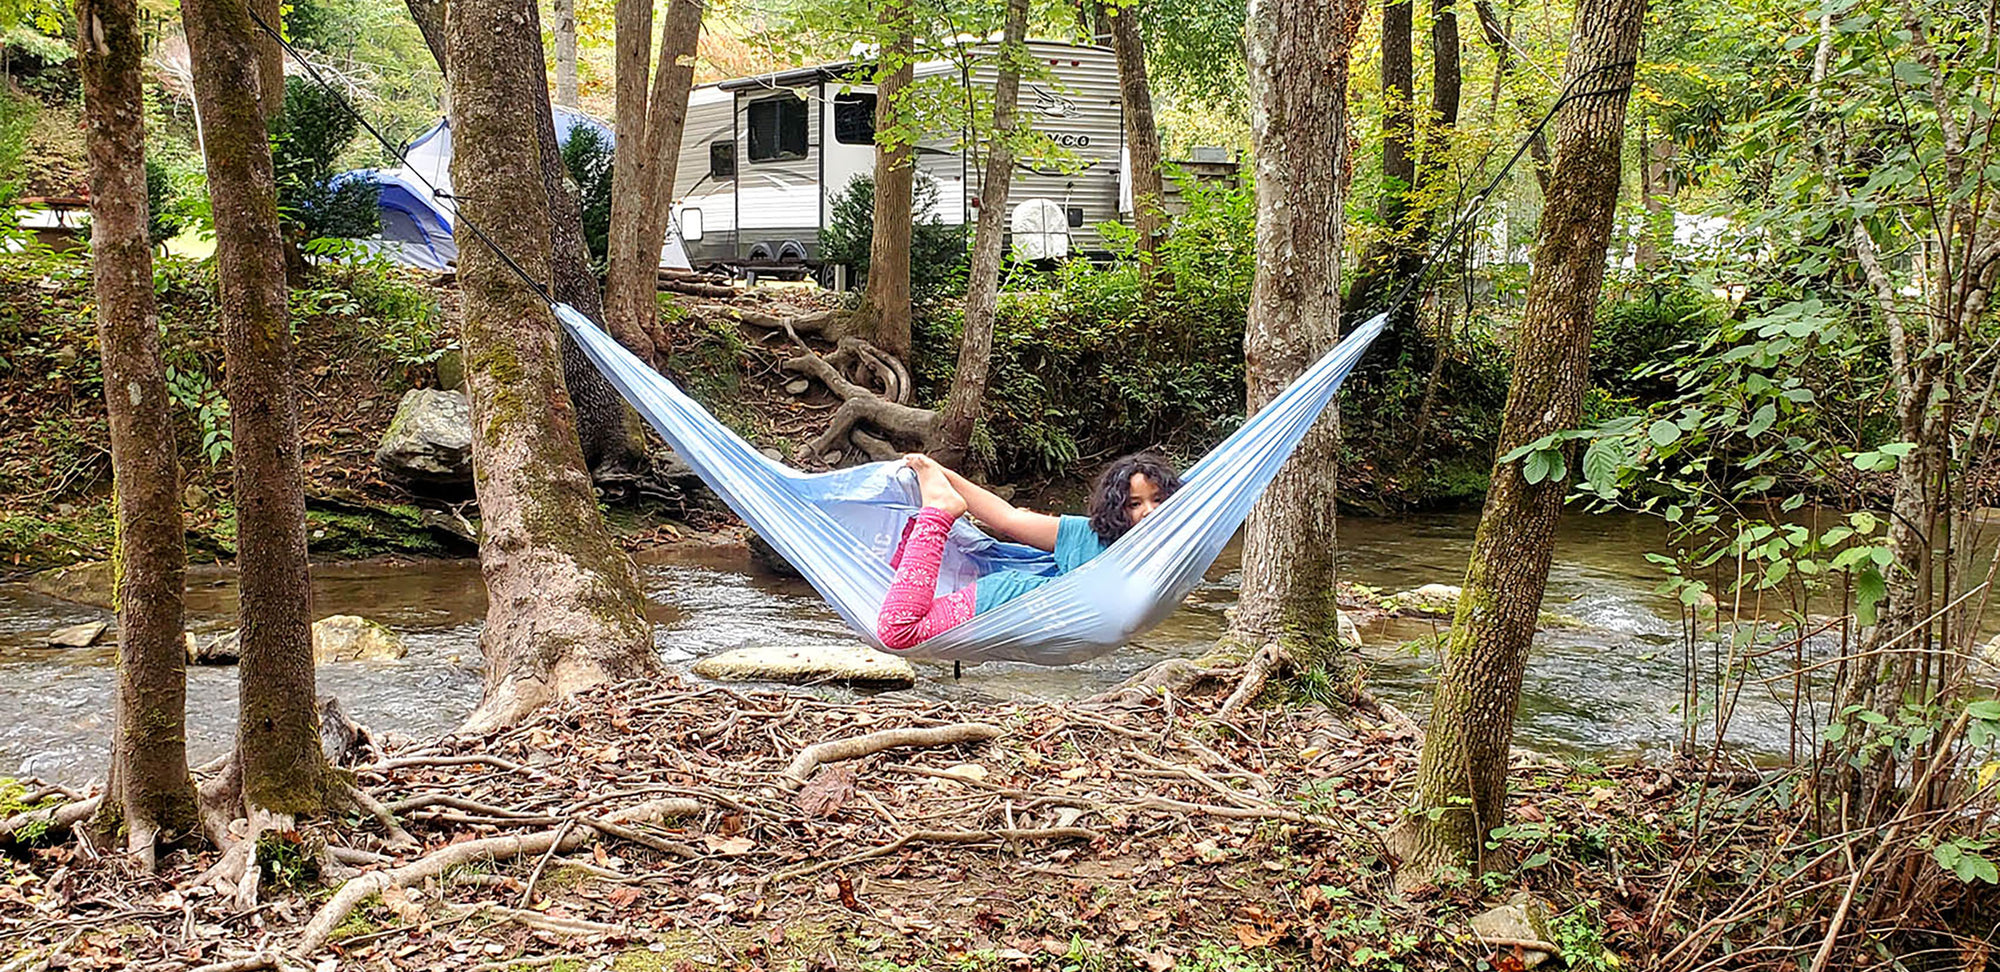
(840, 528)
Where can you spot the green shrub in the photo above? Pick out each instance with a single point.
(307, 138)
(937, 251)
(1639, 331)
(587, 156)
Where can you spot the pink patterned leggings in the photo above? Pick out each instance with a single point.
(913, 612)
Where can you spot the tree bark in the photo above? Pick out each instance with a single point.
(631, 62)
(1298, 83)
(645, 159)
(429, 15)
(277, 732)
(982, 292)
(603, 422)
(564, 610)
(149, 794)
(1399, 155)
(270, 58)
(1462, 776)
(1142, 137)
(884, 314)
(565, 33)
(680, 38)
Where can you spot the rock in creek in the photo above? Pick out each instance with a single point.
(77, 635)
(430, 439)
(344, 741)
(1430, 600)
(854, 665)
(1524, 917)
(1350, 635)
(87, 583)
(767, 557)
(340, 638)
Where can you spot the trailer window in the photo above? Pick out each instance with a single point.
(777, 129)
(722, 159)
(854, 119)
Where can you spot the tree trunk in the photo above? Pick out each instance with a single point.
(429, 15)
(1298, 82)
(1495, 33)
(149, 794)
(1142, 137)
(645, 159)
(884, 314)
(565, 31)
(270, 58)
(630, 174)
(603, 422)
(667, 123)
(564, 610)
(982, 290)
(1384, 258)
(1462, 777)
(277, 731)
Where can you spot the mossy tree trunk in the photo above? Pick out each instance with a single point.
(1298, 81)
(605, 427)
(277, 730)
(884, 314)
(564, 611)
(982, 291)
(651, 115)
(1142, 137)
(149, 794)
(1462, 776)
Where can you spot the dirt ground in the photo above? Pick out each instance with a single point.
(1070, 836)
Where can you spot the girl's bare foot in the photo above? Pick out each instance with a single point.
(932, 485)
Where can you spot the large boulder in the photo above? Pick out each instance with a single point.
(1430, 600)
(339, 638)
(430, 439)
(854, 665)
(346, 637)
(86, 583)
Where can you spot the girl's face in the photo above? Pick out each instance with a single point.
(1145, 498)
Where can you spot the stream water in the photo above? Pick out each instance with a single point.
(1609, 688)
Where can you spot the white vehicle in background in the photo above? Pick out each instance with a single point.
(764, 158)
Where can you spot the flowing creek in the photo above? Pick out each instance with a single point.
(1609, 688)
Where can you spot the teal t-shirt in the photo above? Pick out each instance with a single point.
(1076, 543)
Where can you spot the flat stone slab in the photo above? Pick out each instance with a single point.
(77, 635)
(801, 665)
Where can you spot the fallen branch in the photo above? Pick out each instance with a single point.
(1530, 944)
(837, 750)
(933, 837)
(55, 821)
(351, 894)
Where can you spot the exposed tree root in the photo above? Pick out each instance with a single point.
(1256, 672)
(567, 838)
(855, 747)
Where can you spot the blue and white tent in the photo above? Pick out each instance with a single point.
(417, 222)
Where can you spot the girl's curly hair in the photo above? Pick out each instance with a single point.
(1114, 489)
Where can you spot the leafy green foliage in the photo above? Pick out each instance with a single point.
(937, 251)
(1633, 334)
(307, 139)
(587, 156)
(1082, 367)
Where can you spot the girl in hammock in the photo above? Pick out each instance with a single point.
(1126, 492)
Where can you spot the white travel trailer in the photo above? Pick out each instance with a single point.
(764, 158)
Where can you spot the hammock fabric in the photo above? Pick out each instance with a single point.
(840, 528)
